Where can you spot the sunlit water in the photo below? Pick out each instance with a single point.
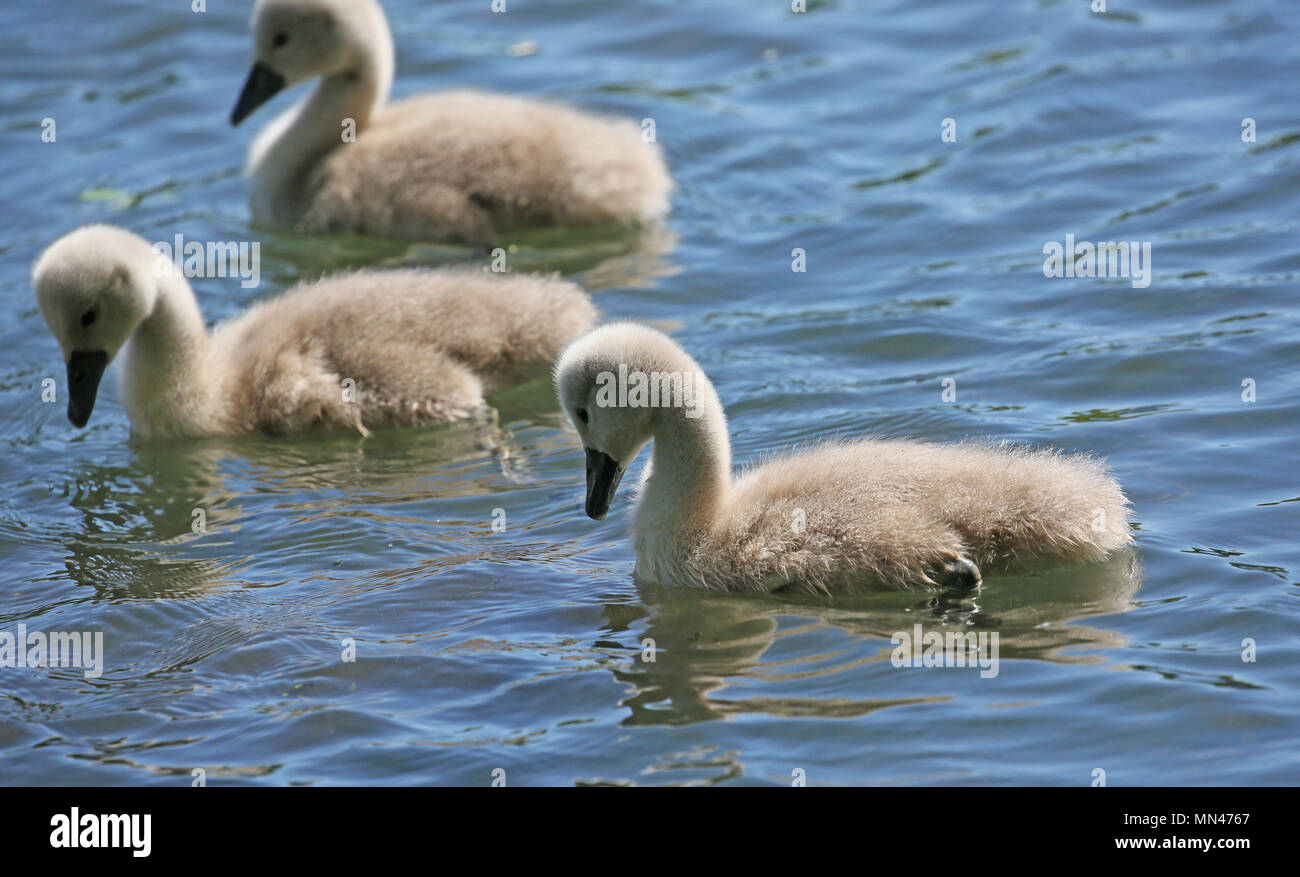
(522, 650)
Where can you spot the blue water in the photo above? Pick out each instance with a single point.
(480, 651)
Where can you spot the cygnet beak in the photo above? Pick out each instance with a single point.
(84, 372)
(603, 475)
(262, 85)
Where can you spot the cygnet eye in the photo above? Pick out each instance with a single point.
(279, 39)
(88, 317)
(581, 414)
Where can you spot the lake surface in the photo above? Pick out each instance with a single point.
(478, 650)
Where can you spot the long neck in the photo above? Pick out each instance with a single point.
(338, 109)
(166, 388)
(690, 466)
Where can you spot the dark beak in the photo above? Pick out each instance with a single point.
(262, 85)
(603, 475)
(84, 372)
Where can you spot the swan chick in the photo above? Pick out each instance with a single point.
(843, 516)
(354, 351)
(459, 166)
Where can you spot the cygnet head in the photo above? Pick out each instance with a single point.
(296, 40)
(94, 286)
(615, 425)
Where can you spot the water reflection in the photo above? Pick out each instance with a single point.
(705, 643)
(181, 518)
(598, 258)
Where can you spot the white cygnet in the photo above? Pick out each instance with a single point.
(354, 351)
(844, 516)
(458, 166)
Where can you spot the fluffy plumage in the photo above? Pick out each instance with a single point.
(845, 516)
(462, 165)
(418, 346)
